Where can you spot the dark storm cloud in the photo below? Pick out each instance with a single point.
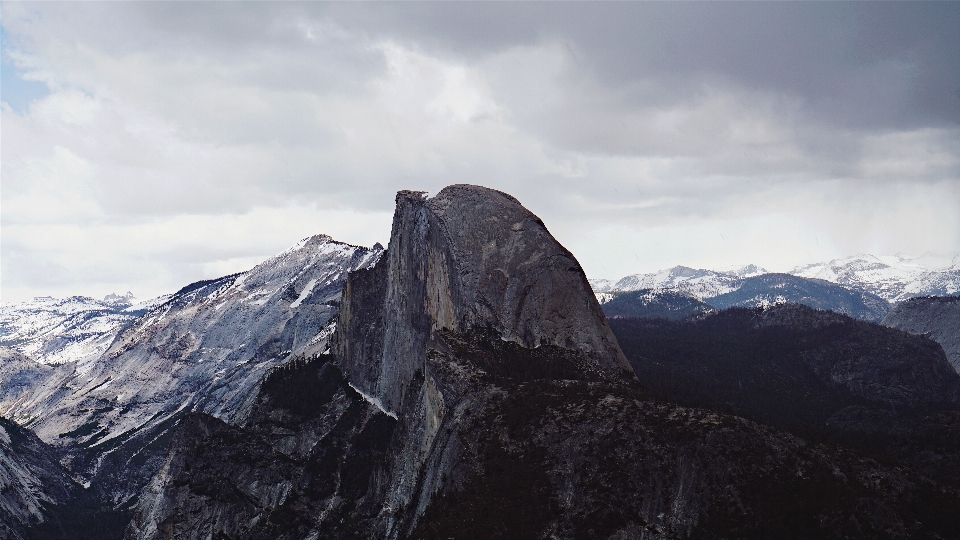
(864, 65)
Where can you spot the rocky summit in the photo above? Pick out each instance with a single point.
(465, 383)
(469, 258)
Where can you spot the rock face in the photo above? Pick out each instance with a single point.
(470, 257)
(935, 317)
(301, 467)
(31, 481)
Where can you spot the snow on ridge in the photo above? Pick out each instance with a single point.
(894, 278)
(54, 331)
(223, 335)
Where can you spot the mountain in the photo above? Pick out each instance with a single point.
(821, 375)
(474, 389)
(462, 383)
(76, 329)
(655, 304)
(701, 283)
(772, 289)
(935, 317)
(892, 278)
(206, 347)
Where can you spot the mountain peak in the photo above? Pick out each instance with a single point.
(470, 258)
(124, 300)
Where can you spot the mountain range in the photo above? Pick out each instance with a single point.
(466, 383)
(893, 279)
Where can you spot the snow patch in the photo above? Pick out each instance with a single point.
(374, 401)
(304, 293)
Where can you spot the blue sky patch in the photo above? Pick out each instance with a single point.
(14, 90)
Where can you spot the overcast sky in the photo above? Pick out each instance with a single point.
(149, 145)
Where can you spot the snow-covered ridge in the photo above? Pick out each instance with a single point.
(205, 347)
(75, 329)
(697, 282)
(893, 278)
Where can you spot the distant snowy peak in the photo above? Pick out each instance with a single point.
(772, 289)
(55, 331)
(601, 285)
(125, 300)
(698, 282)
(746, 271)
(894, 278)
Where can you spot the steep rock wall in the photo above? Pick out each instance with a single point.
(470, 257)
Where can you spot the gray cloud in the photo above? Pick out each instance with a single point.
(890, 64)
(802, 130)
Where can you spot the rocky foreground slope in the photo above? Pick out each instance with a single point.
(475, 390)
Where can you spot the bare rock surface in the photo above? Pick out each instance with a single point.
(469, 257)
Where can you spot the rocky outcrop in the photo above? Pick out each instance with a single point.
(470, 257)
(937, 317)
